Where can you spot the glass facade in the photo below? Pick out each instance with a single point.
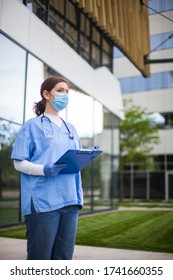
(21, 75)
(160, 6)
(168, 116)
(161, 41)
(155, 81)
(149, 184)
(12, 79)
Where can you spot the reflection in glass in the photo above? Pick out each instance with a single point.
(85, 42)
(56, 17)
(96, 125)
(12, 78)
(34, 79)
(80, 113)
(9, 178)
(96, 48)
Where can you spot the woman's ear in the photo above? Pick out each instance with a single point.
(46, 94)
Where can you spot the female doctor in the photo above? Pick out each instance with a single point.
(50, 200)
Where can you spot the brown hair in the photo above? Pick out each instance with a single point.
(48, 85)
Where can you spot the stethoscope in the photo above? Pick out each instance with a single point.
(51, 136)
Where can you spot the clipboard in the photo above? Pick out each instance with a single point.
(76, 160)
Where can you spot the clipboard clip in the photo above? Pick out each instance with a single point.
(89, 150)
(95, 147)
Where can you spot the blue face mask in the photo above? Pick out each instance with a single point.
(60, 102)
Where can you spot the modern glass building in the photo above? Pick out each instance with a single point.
(75, 39)
(154, 93)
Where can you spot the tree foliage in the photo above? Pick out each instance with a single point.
(138, 134)
(8, 176)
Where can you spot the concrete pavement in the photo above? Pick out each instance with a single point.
(15, 249)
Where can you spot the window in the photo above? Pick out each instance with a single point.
(156, 40)
(160, 5)
(12, 80)
(18, 94)
(35, 76)
(168, 116)
(156, 81)
(75, 28)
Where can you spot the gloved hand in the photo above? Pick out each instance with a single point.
(53, 169)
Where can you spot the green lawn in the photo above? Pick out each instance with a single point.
(9, 215)
(138, 230)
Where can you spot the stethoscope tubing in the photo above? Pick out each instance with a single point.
(53, 131)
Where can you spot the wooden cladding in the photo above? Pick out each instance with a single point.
(126, 23)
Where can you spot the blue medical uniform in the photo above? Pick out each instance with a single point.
(32, 144)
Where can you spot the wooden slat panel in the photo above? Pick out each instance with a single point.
(95, 11)
(108, 8)
(89, 6)
(126, 22)
(81, 3)
(102, 14)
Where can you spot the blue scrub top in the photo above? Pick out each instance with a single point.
(47, 193)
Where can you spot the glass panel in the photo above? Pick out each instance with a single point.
(170, 162)
(34, 79)
(157, 183)
(71, 25)
(157, 40)
(140, 184)
(160, 5)
(156, 81)
(12, 78)
(82, 115)
(170, 182)
(85, 37)
(56, 16)
(126, 185)
(106, 53)
(104, 183)
(95, 47)
(100, 178)
(40, 9)
(9, 177)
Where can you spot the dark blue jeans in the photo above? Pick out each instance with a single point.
(52, 235)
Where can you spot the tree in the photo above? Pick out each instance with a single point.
(7, 137)
(138, 134)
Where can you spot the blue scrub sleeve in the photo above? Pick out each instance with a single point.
(23, 145)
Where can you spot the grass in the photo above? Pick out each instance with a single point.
(9, 215)
(146, 203)
(137, 230)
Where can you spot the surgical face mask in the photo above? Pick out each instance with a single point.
(60, 101)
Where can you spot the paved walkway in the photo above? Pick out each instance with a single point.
(15, 249)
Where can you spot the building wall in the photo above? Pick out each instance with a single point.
(156, 92)
(29, 52)
(30, 32)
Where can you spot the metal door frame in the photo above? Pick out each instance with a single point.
(167, 184)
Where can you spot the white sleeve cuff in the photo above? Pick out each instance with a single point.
(29, 168)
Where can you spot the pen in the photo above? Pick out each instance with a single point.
(96, 147)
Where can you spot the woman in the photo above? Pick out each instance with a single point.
(51, 200)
